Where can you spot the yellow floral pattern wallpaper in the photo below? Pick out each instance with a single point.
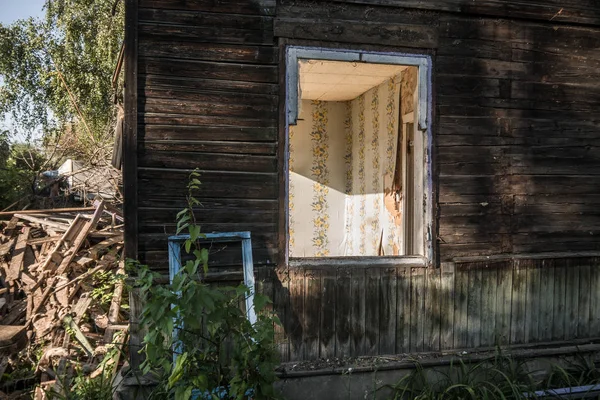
(341, 155)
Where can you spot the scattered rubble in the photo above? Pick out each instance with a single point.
(61, 296)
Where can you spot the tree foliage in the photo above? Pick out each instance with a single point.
(56, 72)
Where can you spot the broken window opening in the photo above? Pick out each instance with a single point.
(355, 166)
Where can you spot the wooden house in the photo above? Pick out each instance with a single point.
(417, 176)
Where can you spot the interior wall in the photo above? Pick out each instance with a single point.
(317, 180)
(374, 225)
(342, 164)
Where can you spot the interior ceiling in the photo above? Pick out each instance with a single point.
(341, 80)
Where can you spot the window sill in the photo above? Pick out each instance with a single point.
(359, 262)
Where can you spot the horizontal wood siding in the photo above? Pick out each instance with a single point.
(516, 135)
(516, 164)
(208, 100)
(353, 311)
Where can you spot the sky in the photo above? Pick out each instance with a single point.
(11, 10)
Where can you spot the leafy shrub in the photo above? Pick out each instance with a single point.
(199, 341)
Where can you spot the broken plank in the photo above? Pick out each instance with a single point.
(7, 247)
(81, 235)
(9, 214)
(61, 226)
(18, 254)
(98, 249)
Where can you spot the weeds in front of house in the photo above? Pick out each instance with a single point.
(199, 343)
(502, 378)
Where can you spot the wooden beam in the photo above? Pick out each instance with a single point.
(9, 214)
(130, 131)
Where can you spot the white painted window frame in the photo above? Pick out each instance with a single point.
(424, 64)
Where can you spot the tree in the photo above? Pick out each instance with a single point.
(56, 73)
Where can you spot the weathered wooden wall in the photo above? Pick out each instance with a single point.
(516, 161)
(347, 311)
(207, 99)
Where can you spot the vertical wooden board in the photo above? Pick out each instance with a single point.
(387, 311)
(489, 282)
(571, 299)
(559, 308)
(595, 298)
(328, 310)
(519, 303)
(417, 308)
(296, 314)
(533, 302)
(358, 312)
(343, 312)
(403, 313)
(431, 340)
(372, 311)
(474, 307)
(583, 320)
(503, 303)
(312, 313)
(546, 300)
(461, 285)
(281, 302)
(447, 295)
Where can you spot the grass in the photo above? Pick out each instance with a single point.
(501, 377)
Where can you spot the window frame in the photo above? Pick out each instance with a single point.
(289, 114)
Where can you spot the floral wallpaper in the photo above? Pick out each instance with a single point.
(342, 163)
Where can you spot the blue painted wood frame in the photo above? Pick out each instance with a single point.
(175, 243)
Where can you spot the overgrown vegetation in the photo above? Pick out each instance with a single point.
(199, 342)
(57, 96)
(502, 378)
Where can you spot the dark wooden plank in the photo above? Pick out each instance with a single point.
(499, 8)
(358, 292)
(594, 298)
(447, 296)
(431, 340)
(215, 97)
(387, 311)
(474, 306)
(152, 47)
(401, 35)
(372, 302)
(327, 331)
(519, 303)
(129, 139)
(157, 182)
(417, 309)
(313, 297)
(403, 313)
(461, 285)
(202, 120)
(343, 312)
(532, 313)
(199, 84)
(280, 279)
(211, 147)
(503, 303)
(207, 161)
(559, 319)
(547, 300)
(489, 308)
(152, 32)
(252, 7)
(208, 133)
(297, 315)
(206, 108)
(585, 289)
(571, 299)
(208, 70)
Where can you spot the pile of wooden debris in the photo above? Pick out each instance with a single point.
(61, 295)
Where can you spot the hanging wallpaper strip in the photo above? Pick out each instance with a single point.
(349, 131)
(375, 180)
(320, 175)
(391, 247)
(361, 174)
